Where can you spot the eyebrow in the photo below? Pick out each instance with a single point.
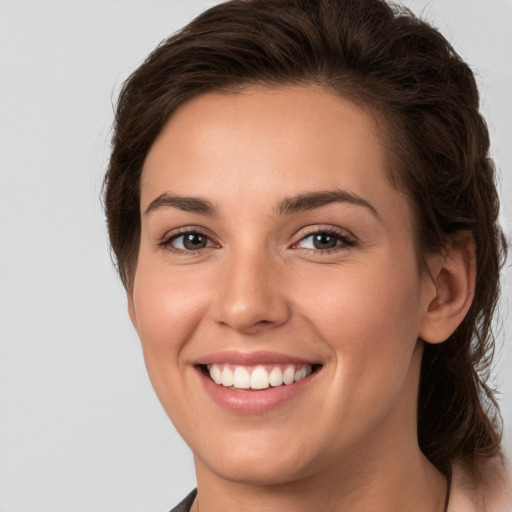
(184, 203)
(299, 203)
(312, 200)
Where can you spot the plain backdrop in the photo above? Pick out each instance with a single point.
(80, 427)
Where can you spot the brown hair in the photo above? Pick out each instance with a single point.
(383, 57)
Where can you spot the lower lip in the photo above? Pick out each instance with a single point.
(253, 401)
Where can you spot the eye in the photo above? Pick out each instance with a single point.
(325, 240)
(190, 241)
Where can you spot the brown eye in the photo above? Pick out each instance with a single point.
(325, 241)
(191, 241)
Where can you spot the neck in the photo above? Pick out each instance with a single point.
(386, 484)
(383, 470)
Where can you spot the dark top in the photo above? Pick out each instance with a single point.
(185, 505)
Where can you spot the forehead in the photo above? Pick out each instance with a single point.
(268, 143)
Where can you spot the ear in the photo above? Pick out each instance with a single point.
(454, 275)
(131, 312)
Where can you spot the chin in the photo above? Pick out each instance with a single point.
(264, 473)
(257, 463)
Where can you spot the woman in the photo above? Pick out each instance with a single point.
(304, 216)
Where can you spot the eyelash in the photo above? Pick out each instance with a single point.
(344, 240)
(167, 240)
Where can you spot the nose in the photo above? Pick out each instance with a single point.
(251, 296)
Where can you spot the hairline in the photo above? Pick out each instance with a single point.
(381, 116)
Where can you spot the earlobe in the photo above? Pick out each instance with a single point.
(454, 275)
(131, 312)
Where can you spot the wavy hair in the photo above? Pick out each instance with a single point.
(381, 57)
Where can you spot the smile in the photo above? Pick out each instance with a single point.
(257, 377)
(255, 382)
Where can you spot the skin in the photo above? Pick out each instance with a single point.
(348, 439)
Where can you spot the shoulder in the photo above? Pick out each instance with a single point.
(491, 493)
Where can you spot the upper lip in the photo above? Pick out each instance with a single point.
(251, 358)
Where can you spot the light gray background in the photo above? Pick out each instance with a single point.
(80, 428)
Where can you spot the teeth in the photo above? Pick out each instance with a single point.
(227, 377)
(276, 377)
(300, 374)
(259, 377)
(216, 374)
(289, 375)
(241, 378)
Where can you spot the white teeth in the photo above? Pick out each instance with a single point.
(216, 374)
(240, 377)
(276, 377)
(289, 375)
(227, 377)
(259, 378)
(300, 374)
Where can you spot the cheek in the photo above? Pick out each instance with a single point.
(370, 322)
(369, 318)
(168, 310)
(168, 307)
(364, 298)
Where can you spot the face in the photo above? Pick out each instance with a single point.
(277, 295)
